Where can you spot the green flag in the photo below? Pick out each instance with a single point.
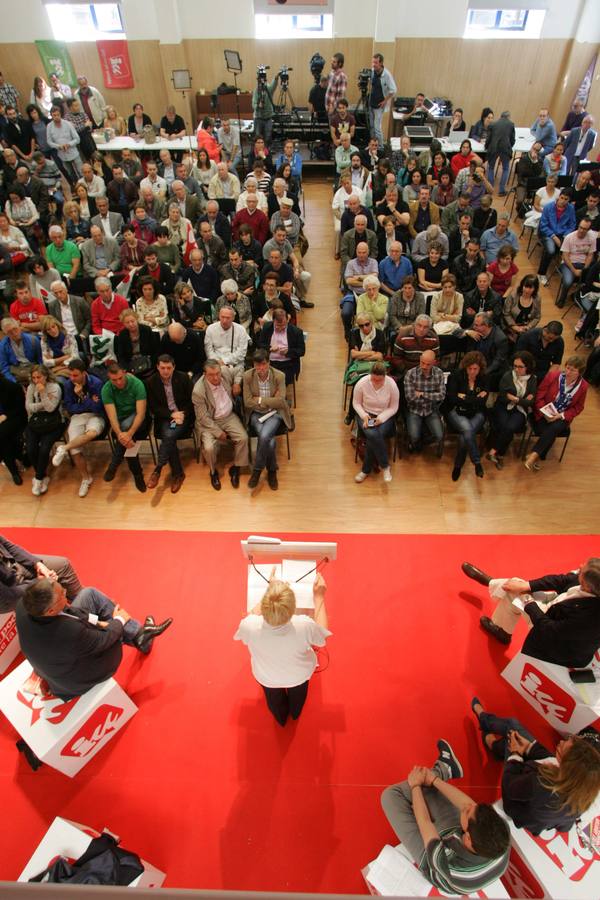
(56, 58)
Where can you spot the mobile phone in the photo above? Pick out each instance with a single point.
(371, 422)
(582, 676)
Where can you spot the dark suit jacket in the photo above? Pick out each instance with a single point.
(149, 341)
(37, 190)
(496, 354)
(112, 192)
(80, 310)
(568, 634)
(70, 653)
(220, 226)
(13, 584)
(182, 394)
(295, 337)
(20, 137)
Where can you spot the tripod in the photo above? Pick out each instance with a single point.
(280, 103)
(362, 107)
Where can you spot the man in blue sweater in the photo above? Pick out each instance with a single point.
(558, 220)
(82, 400)
(18, 352)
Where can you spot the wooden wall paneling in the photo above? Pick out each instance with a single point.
(174, 56)
(515, 75)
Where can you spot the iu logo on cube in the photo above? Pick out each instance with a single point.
(568, 852)
(100, 725)
(548, 695)
(49, 708)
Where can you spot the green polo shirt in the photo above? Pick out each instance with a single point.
(124, 399)
(62, 259)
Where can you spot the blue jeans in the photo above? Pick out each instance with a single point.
(467, 430)
(489, 723)
(568, 279)
(92, 600)
(414, 424)
(505, 160)
(264, 128)
(375, 120)
(348, 308)
(266, 454)
(549, 249)
(376, 449)
(168, 451)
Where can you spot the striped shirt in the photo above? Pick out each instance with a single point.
(452, 868)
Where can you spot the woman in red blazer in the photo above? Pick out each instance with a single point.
(566, 390)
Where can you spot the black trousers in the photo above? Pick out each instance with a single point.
(547, 433)
(284, 702)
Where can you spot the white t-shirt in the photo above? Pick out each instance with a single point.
(282, 657)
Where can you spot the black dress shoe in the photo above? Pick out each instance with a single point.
(234, 473)
(272, 479)
(140, 483)
(494, 630)
(456, 473)
(306, 304)
(254, 478)
(215, 480)
(145, 636)
(16, 477)
(110, 472)
(476, 574)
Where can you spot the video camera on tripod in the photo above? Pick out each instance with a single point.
(364, 81)
(284, 77)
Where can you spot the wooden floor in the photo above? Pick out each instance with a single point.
(317, 489)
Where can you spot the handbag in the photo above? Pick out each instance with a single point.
(149, 134)
(140, 364)
(45, 422)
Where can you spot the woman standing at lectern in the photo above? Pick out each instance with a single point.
(281, 645)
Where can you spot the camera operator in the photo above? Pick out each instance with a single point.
(316, 99)
(262, 104)
(337, 83)
(383, 89)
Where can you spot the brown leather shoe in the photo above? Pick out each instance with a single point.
(153, 480)
(476, 574)
(494, 630)
(176, 483)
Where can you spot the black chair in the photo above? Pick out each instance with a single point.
(529, 433)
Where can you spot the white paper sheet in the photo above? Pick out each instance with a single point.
(392, 874)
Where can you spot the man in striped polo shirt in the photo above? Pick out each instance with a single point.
(459, 845)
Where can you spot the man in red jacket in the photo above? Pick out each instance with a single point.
(106, 308)
(254, 217)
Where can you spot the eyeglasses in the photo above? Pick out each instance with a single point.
(364, 324)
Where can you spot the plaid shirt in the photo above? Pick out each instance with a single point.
(336, 89)
(9, 95)
(432, 386)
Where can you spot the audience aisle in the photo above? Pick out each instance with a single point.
(421, 498)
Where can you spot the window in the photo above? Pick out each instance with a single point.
(283, 26)
(504, 23)
(85, 21)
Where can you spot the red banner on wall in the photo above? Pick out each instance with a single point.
(114, 61)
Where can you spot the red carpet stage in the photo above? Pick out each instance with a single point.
(202, 782)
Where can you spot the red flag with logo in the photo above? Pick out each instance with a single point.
(115, 64)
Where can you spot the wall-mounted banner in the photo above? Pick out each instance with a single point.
(114, 61)
(55, 57)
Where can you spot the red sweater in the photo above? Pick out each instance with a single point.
(108, 318)
(258, 222)
(547, 391)
(28, 313)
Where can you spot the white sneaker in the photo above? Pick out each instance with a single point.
(36, 487)
(387, 474)
(61, 452)
(44, 485)
(543, 280)
(84, 486)
(361, 476)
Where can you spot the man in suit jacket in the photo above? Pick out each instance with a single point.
(122, 193)
(490, 340)
(578, 143)
(567, 631)
(499, 145)
(170, 402)
(264, 392)
(111, 223)
(72, 311)
(422, 213)
(35, 189)
(18, 134)
(67, 643)
(100, 255)
(213, 398)
(19, 568)
(218, 221)
(189, 204)
(355, 236)
(285, 344)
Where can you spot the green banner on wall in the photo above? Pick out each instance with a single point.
(55, 57)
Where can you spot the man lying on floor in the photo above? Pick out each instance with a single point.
(76, 645)
(564, 612)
